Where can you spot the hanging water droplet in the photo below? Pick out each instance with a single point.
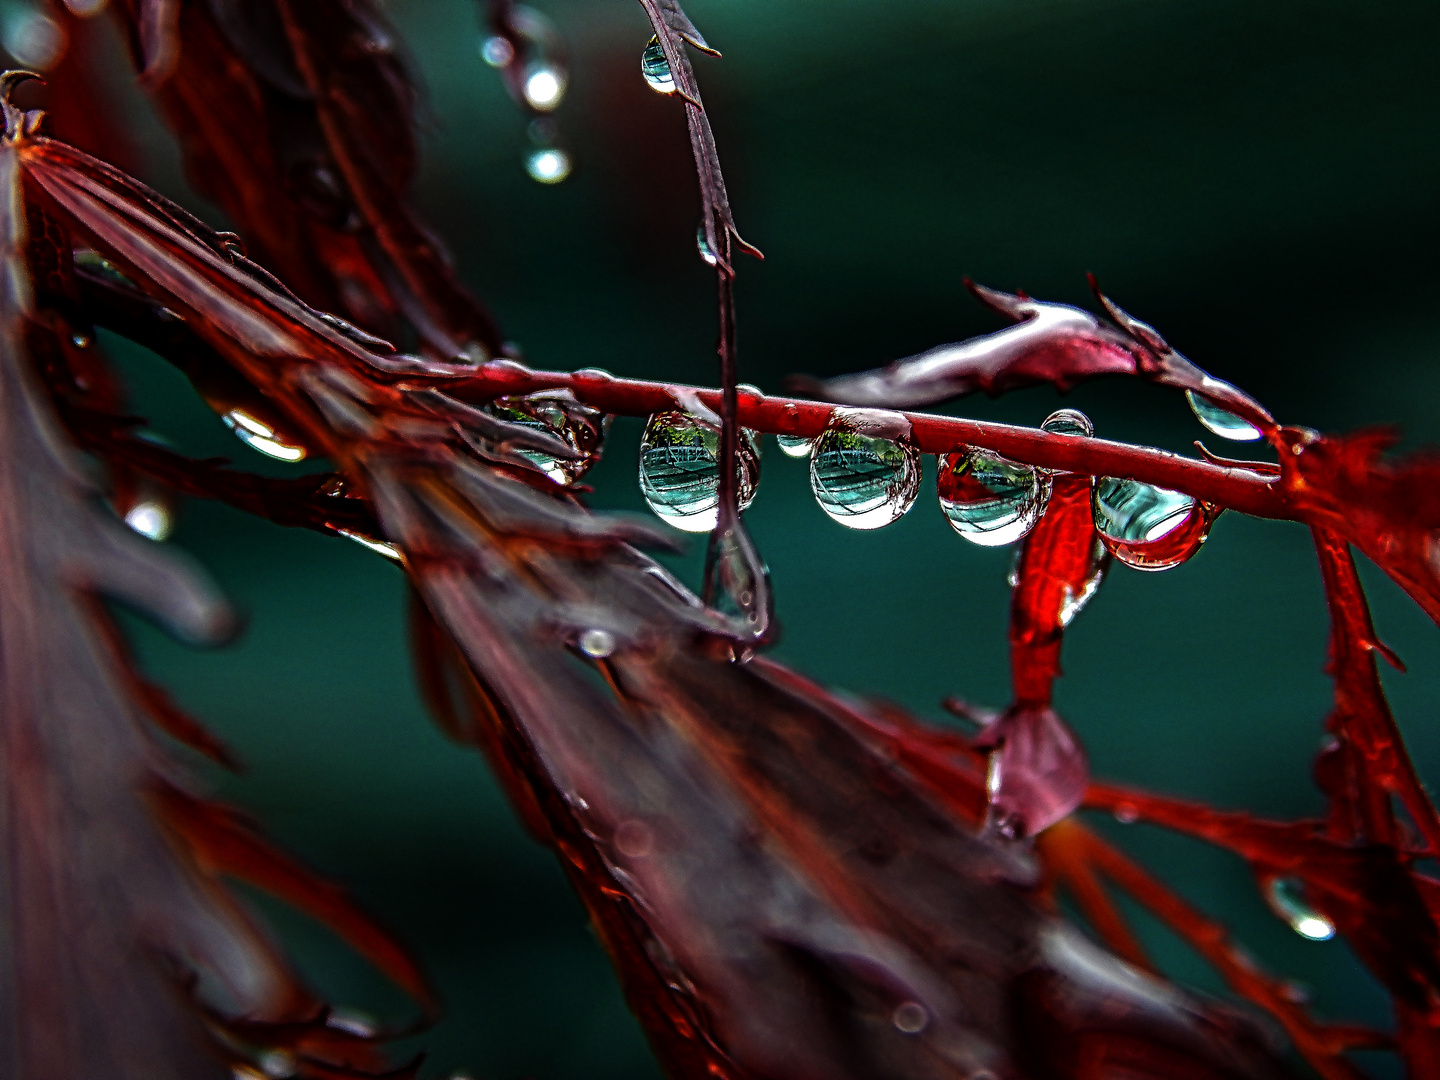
(795, 445)
(1147, 527)
(258, 435)
(1286, 897)
(988, 499)
(548, 165)
(680, 470)
(1221, 421)
(597, 643)
(863, 481)
(1068, 422)
(656, 68)
(558, 413)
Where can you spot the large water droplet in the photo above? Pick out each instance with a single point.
(988, 499)
(656, 68)
(680, 470)
(1146, 527)
(795, 445)
(557, 413)
(1286, 897)
(548, 165)
(863, 481)
(1220, 421)
(258, 435)
(1068, 422)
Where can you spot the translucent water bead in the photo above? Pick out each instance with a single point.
(680, 470)
(988, 499)
(557, 413)
(861, 479)
(1147, 527)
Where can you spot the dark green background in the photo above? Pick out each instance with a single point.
(1259, 181)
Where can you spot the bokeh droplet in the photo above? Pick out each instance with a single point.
(1147, 527)
(863, 481)
(1220, 421)
(988, 499)
(680, 470)
(656, 69)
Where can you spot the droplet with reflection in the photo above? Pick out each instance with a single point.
(260, 436)
(1220, 421)
(680, 470)
(863, 481)
(655, 68)
(1148, 527)
(988, 499)
(1286, 897)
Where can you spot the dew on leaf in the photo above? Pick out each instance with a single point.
(656, 69)
(680, 470)
(1147, 527)
(1220, 421)
(988, 499)
(863, 481)
(1286, 897)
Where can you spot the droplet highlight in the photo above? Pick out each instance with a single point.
(1221, 421)
(680, 470)
(863, 481)
(656, 69)
(1147, 527)
(1286, 897)
(988, 499)
(261, 437)
(796, 446)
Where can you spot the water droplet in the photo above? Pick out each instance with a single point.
(1286, 897)
(556, 412)
(597, 643)
(795, 445)
(988, 499)
(1146, 527)
(150, 517)
(258, 435)
(680, 470)
(1220, 421)
(863, 481)
(549, 165)
(1068, 422)
(910, 1018)
(544, 87)
(497, 51)
(656, 68)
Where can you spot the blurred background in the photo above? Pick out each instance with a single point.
(1259, 181)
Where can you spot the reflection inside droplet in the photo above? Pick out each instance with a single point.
(656, 69)
(988, 499)
(863, 481)
(680, 470)
(1220, 421)
(1147, 527)
(260, 436)
(1286, 897)
(549, 165)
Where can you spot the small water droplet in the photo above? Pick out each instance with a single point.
(150, 518)
(557, 413)
(1221, 421)
(1147, 527)
(1286, 897)
(863, 481)
(656, 68)
(796, 446)
(910, 1018)
(549, 165)
(680, 470)
(597, 643)
(1068, 422)
(497, 51)
(702, 245)
(258, 435)
(988, 499)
